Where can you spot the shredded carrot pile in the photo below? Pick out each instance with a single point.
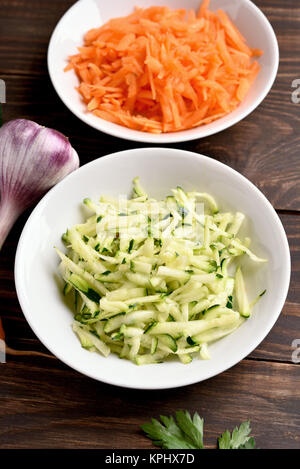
(161, 70)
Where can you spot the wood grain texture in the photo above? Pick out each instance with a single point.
(45, 404)
(54, 407)
(26, 26)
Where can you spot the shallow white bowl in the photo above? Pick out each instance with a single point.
(87, 14)
(160, 170)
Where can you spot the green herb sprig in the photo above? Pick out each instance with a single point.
(186, 432)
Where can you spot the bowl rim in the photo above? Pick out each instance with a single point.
(176, 153)
(125, 133)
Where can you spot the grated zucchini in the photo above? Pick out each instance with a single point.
(155, 279)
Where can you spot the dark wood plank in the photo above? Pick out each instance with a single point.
(93, 415)
(26, 26)
(278, 345)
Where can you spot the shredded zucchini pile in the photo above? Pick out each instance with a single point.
(150, 278)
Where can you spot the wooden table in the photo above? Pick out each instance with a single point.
(45, 404)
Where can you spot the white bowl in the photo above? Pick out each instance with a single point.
(160, 169)
(87, 14)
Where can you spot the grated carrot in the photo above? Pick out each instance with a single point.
(161, 70)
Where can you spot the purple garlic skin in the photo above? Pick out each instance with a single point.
(32, 160)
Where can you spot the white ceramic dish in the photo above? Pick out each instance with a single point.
(160, 169)
(87, 14)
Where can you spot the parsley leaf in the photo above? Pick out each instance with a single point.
(192, 428)
(186, 432)
(239, 439)
(250, 444)
(224, 440)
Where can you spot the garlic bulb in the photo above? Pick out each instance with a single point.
(32, 160)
